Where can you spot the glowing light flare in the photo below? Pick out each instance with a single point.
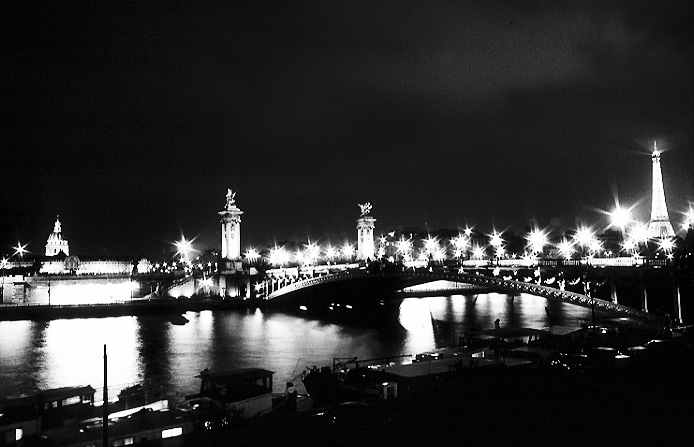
(688, 218)
(478, 253)
(278, 256)
(404, 246)
(347, 250)
(468, 231)
(330, 253)
(566, 249)
(595, 245)
(537, 240)
(20, 249)
(629, 245)
(183, 248)
(252, 255)
(496, 240)
(460, 243)
(312, 253)
(431, 244)
(639, 232)
(667, 245)
(439, 255)
(620, 217)
(584, 237)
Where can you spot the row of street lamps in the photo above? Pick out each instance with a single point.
(584, 243)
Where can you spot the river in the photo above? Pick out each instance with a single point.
(37, 355)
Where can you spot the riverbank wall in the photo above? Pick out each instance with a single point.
(10, 312)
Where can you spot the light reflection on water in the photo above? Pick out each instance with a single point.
(39, 355)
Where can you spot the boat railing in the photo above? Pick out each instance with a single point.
(341, 363)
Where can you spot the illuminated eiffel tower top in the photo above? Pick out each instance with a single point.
(660, 225)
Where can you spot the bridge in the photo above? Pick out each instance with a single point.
(418, 276)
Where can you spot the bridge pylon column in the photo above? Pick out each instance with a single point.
(365, 234)
(231, 229)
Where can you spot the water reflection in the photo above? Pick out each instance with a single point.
(40, 355)
(74, 352)
(416, 317)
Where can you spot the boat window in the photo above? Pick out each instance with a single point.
(171, 432)
(71, 400)
(124, 441)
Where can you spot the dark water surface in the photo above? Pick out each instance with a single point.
(38, 355)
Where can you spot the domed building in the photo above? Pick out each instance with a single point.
(55, 243)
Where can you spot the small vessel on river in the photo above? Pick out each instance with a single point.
(352, 379)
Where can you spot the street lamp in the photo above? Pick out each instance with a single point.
(537, 241)
(20, 250)
(330, 253)
(3, 265)
(278, 256)
(252, 255)
(566, 249)
(404, 248)
(347, 251)
(184, 247)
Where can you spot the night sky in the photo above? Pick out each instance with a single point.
(130, 122)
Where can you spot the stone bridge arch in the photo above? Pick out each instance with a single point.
(491, 282)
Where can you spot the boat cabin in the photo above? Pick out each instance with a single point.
(243, 392)
(31, 414)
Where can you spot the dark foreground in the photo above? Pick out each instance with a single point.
(652, 406)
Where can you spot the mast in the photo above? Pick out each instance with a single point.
(105, 408)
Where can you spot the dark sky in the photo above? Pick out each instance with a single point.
(131, 122)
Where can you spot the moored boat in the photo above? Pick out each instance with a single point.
(353, 379)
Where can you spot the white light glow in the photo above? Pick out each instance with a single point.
(278, 256)
(496, 240)
(566, 249)
(667, 245)
(347, 250)
(183, 248)
(584, 237)
(639, 232)
(404, 246)
(252, 255)
(537, 240)
(330, 253)
(431, 244)
(620, 217)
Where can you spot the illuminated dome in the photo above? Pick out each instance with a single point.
(55, 243)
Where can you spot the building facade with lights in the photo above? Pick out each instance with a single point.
(59, 262)
(55, 243)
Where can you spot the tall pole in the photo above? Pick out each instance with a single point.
(105, 408)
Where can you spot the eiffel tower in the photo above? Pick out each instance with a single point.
(659, 226)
